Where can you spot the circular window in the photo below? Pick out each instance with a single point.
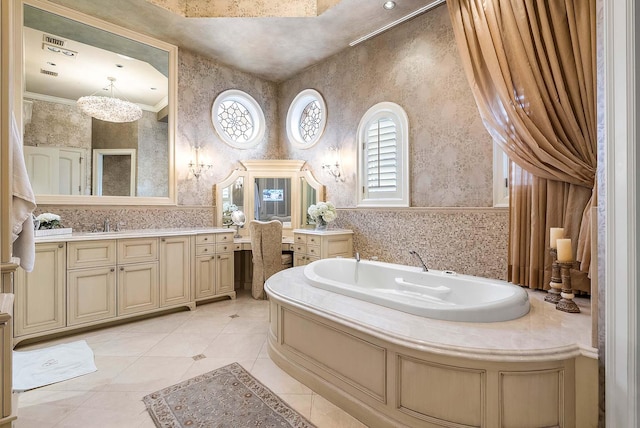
(238, 119)
(306, 119)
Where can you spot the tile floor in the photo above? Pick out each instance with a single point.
(137, 358)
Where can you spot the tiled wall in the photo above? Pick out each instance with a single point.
(415, 65)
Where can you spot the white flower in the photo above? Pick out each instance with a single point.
(228, 207)
(323, 210)
(47, 217)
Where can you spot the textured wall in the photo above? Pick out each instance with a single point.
(467, 240)
(417, 66)
(60, 125)
(153, 151)
(200, 80)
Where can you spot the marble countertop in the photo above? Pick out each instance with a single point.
(86, 236)
(544, 334)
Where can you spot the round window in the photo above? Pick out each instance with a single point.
(238, 119)
(306, 119)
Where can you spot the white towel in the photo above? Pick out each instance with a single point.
(39, 367)
(24, 202)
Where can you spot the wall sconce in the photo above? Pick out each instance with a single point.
(198, 167)
(332, 163)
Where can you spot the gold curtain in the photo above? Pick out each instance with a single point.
(531, 67)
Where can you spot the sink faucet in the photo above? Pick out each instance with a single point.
(106, 227)
(357, 255)
(424, 267)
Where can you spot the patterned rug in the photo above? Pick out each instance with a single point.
(226, 397)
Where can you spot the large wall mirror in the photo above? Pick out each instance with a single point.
(67, 55)
(268, 190)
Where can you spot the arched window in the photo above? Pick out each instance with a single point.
(306, 119)
(383, 157)
(238, 119)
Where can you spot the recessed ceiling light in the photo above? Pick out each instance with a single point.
(119, 65)
(389, 5)
(154, 89)
(53, 64)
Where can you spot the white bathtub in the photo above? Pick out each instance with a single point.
(435, 294)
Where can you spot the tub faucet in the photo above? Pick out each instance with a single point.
(424, 267)
(357, 255)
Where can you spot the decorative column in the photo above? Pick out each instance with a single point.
(566, 303)
(553, 294)
(565, 260)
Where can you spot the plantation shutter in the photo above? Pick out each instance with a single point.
(381, 156)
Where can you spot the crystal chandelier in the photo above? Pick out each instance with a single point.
(109, 109)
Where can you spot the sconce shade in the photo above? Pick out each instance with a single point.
(109, 109)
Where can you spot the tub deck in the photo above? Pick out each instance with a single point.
(541, 334)
(381, 365)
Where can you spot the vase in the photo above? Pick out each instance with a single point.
(321, 224)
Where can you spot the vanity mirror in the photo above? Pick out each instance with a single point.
(67, 55)
(268, 190)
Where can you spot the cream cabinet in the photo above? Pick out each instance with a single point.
(40, 294)
(311, 245)
(214, 266)
(138, 278)
(8, 401)
(96, 279)
(91, 281)
(175, 270)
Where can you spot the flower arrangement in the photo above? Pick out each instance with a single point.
(48, 221)
(322, 213)
(227, 209)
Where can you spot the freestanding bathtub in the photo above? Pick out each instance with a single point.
(443, 295)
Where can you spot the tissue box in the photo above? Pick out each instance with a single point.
(53, 232)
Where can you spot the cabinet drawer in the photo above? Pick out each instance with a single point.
(313, 240)
(224, 247)
(203, 250)
(91, 254)
(313, 250)
(205, 238)
(299, 248)
(299, 238)
(137, 250)
(237, 247)
(224, 237)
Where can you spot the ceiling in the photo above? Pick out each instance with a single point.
(273, 48)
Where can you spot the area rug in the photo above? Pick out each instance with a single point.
(225, 397)
(40, 367)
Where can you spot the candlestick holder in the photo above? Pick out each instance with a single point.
(566, 303)
(553, 294)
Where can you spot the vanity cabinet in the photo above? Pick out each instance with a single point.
(312, 245)
(214, 265)
(94, 279)
(138, 279)
(8, 400)
(175, 270)
(40, 294)
(91, 281)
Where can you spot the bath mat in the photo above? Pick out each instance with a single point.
(225, 397)
(40, 367)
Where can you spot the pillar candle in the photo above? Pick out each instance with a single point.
(565, 253)
(555, 233)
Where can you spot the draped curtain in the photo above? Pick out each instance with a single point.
(531, 67)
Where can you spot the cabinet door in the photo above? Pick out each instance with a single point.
(40, 294)
(299, 259)
(175, 270)
(91, 295)
(137, 288)
(224, 273)
(205, 276)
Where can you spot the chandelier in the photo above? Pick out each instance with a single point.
(109, 109)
